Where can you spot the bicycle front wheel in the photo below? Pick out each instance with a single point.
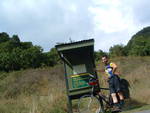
(89, 104)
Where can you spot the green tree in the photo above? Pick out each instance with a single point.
(117, 50)
(16, 55)
(98, 54)
(16, 59)
(4, 37)
(51, 57)
(26, 45)
(139, 45)
(15, 39)
(32, 57)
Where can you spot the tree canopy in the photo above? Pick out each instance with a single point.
(138, 45)
(16, 55)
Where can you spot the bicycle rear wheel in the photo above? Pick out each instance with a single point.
(89, 104)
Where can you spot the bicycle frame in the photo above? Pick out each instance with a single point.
(100, 95)
(104, 103)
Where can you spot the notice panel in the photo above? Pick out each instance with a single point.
(80, 81)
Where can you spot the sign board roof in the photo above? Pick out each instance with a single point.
(73, 45)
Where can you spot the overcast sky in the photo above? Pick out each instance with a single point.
(47, 22)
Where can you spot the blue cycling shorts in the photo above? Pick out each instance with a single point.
(114, 84)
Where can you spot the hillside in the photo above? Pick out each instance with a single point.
(140, 43)
(43, 90)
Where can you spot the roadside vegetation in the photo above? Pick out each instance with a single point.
(43, 90)
(136, 71)
(32, 81)
(33, 91)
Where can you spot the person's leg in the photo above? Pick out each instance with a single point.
(116, 103)
(113, 93)
(118, 90)
(121, 97)
(114, 98)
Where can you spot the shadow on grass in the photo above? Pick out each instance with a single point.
(132, 104)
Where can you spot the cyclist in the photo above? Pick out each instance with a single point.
(114, 82)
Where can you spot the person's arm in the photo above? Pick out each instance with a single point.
(114, 67)
(114, 71)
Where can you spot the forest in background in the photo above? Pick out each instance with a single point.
(42, 90)
(17, 55)
(138, 45)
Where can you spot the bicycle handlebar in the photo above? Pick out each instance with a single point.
(93, 77)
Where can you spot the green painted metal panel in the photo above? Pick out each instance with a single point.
(80, 81)
(79, 91)
(79, 62)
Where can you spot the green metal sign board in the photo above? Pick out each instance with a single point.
(78, 58)
(80, 81)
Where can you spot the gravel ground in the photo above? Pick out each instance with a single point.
(147, 111)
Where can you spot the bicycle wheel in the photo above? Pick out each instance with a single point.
(106, 103)
(89, 104)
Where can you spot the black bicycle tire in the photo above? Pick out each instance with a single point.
(101, 104)
(106, 103)
(81, 101)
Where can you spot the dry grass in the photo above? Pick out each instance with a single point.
(140, 85)
(137, 71)
(33, 91)
(43, 90)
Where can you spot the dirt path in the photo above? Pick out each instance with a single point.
(147, 111)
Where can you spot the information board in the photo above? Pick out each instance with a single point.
(80, 81)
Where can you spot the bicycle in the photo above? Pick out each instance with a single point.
(95, 102)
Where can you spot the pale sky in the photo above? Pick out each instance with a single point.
(47, 22)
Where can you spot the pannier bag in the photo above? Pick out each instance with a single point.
(125, 88)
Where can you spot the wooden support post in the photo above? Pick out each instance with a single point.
(70, 105)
